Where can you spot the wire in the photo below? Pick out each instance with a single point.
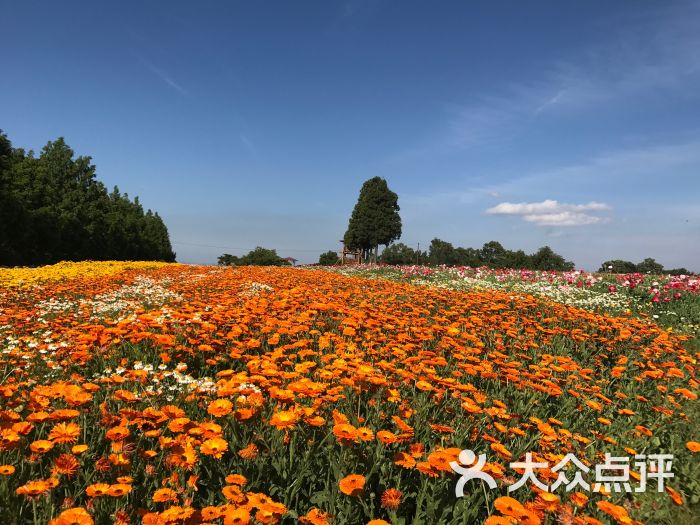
(234, 248)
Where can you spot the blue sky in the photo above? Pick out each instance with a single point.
(575, 125)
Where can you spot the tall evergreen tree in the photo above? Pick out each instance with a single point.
(53, 208)
(375, 219)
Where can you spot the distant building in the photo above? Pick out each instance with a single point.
(290, 260)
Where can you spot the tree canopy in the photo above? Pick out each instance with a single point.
(648, 265)
(328, 258)
(53, 208)
(375, 219)
(258, 257)
(493, 255)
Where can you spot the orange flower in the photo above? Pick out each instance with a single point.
(233, 493)
(41, 446)
(73, 516)
(405, 460)
(693, 446)
(97, 489)
(7, 470)
(352, 485)
(117, 433)
(250, 452)
(365, 434)
(65, 433)
(499, 520)
(579, 499)
(238, 516)
(509, 507)
(118, 489)
(220, 407)
(502, 451)
(163, 495)
(617, 512)
(9, 439)
(79, 449)
(675, 496)
(427, 469)
(391, 499)
(214, 447)
(315, 517)
(66, 464)
(345, 432)
(439, 460)
(424, 386)
(236, 479)
(33, 488)
(284, 419)
(210, 513)
(386, 437)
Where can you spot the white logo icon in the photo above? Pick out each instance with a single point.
(467, 457)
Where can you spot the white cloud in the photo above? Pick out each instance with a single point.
(552, 213)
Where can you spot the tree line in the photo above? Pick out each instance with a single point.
(648, 265)
(491, 254)
(258, 257)
(52, 208)
(375, 220)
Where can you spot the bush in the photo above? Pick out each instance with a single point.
(328, 258)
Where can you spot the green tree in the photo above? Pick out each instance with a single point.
(618, 266)
(228, 260)
(11, 209)
(650, 265)
(441, 252)
(546, 259)
(493, 254)
(53, 208)
(262, 257)
(679, 271)
(518, 260)
(375, 219)
(401, 254)
(328, 258)
(466, 257)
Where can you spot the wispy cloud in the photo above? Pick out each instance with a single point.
(250, 145)
(168, 80)
(660, 53)
(162, 75)
(552, 213)
(630, 170)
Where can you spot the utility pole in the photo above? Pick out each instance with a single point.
(418, 254)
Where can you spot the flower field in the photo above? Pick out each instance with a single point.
(671, 301)
(167, 393)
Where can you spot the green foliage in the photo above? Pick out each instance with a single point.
(402, 254)
(229, 260)
(375, 219)
(546, 259)
(258, 257)
(494, 255)
(52, 208)
(442, 252)
(328, 258)
(618, 266)
(648, 265)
